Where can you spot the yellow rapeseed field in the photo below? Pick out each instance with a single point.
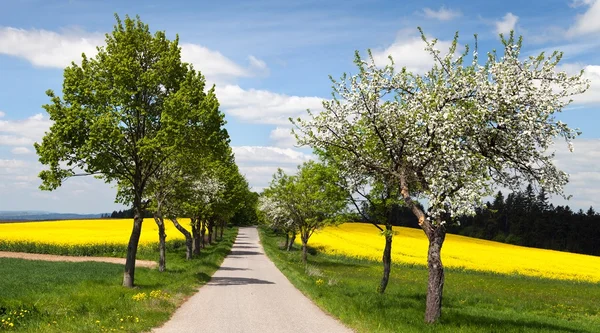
(81, 232)
(410, 246)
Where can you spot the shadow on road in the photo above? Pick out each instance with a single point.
(244, 247)
(225, 268)
(236, 281)
(243, 253)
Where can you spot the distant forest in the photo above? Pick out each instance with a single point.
(528, 219)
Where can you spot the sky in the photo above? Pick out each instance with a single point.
(271, 60)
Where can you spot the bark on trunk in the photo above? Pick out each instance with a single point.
(162, 265)
(132, 246)
(195, 236)
(287, 240)
(222, 228)
(304, 250)
(435, 284)
(188, 238)
(203, 233)
(387, 260)
(210, 232)
(292, 240)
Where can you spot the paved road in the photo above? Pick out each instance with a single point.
(249, 294)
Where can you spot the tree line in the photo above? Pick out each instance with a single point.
(138, 117)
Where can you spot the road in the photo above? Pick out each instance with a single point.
(249, 294)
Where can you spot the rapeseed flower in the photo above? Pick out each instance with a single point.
(85, 232)
(363, 240)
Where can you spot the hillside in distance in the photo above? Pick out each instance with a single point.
(33, 215)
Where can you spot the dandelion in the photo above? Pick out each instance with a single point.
(139, 297)
(320, 282)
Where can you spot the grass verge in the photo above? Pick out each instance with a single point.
(473, 301)
(38, 296)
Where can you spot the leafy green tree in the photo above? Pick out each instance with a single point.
(451, 133)
(119, 117)
(311, 198)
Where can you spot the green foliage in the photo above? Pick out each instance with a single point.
(86, 297)
(474, 301)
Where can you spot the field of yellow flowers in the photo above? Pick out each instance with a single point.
(410, 247)
(85, 232)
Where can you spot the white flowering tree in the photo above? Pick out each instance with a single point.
(278, 218)
(450, 134)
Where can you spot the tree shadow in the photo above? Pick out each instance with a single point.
(225, 268)
(242, 243)
(504, 324)
(244, 247)
(236, 281)
(235, 253)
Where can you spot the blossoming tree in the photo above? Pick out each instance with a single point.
(451, 134)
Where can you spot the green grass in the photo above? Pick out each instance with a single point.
(41, 296)
(473, 301)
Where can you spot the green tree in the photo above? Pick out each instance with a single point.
(119, 117)
(311, 198)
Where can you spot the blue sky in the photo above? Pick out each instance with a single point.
(270, 60)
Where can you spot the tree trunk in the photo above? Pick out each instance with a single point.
(223, 223)
(435, 284)
(132, 246)
(195, 236)
(203, 232)
(287, 240)
(387, 260)
(162, 265)
(188, 238)
(210, 231)
(292, 240)
(304, 249)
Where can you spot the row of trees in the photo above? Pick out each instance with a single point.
(528, 219)
(448, 136)
(137, 116)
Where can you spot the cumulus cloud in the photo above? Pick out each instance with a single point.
(45, 48)
(262, 106)
(21, 151)
(282, 137)
(23, 132)
(409, 51)
(216, 67)
(590, 72)
(584, 172)
(2, 114)
(506, 24)
(442, 14)
(589, 21)
(260, 154)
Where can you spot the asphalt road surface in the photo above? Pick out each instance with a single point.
(249, 294)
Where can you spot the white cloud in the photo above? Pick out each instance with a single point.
(257, 63)
(588, 22)
(45, 48)
(409, 51)
(259, 177)
(260, 154)
(282, 137)
(443, 14)
(2, 114)
(262, 106)
(584, 172)
(590, 72)
(12, 164)
(21, 151)
(215, 66)
(23, 132)
(507, 23)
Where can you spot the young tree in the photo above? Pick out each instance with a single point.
(311, 197)
(449, 133)
(117, 117)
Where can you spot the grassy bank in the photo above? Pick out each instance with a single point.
(38, 296)
(473, 301)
